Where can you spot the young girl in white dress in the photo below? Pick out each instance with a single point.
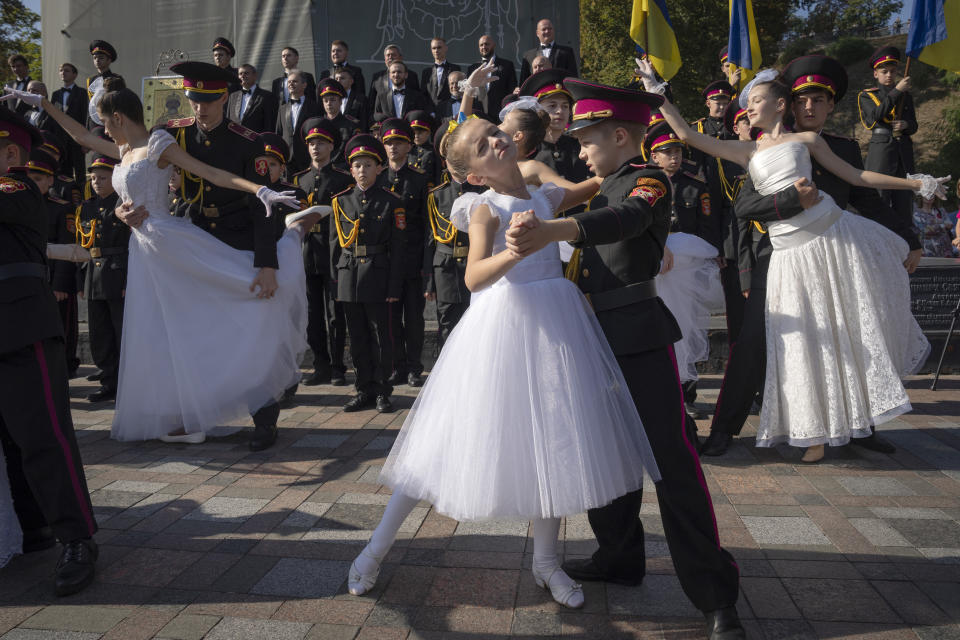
(840, 334)
(526, 414)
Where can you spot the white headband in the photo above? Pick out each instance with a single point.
(765, 75)
(526, 102)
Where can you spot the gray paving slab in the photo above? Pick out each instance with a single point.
(302, 578)
(784, 530)
(224, 510)
(249, 629)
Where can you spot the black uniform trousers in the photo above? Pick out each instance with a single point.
(36, 430)
(448, 315)
(105, 318)
(707, 572)
(71, 330)
(371, 345)
(326, 325)
(408, 327)
(746, 365)
(734, 301)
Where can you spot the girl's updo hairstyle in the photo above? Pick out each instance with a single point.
(534, 124)
(458, 160)
(119, 99)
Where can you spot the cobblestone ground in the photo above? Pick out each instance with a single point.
(211, 541)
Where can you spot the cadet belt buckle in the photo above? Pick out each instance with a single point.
(210, 212)
(317, 228)
(95, 252)
(360, 251)
(460, 252)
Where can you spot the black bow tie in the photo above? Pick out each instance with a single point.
(337, 67)
(439, 65)
(546, 46)
(398, 92)
(247, 91)
(485, 60)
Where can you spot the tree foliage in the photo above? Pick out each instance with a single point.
(19, 33)
(701, 27)
(828, 17)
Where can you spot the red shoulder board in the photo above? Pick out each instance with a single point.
(56, 200)
(343, 171)
(649, 189)
(395, 195)
(241, 130)
(344, 192)
(65, 179)
(873, 89)
(439, 186)
(177, 123)
(644, 166)
(416, 169)
(694, 176)
(11, 185)
(300, 173)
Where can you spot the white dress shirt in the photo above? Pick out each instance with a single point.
(245, 96)
(398, 101)
(295, 106)
(65, 96)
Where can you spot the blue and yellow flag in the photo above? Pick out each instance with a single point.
(651, 29)
(743, 46)
(934, 35)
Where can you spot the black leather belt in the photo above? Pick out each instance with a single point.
(23, 270)
(883, 130)
(623, 296)
(97, 252)
(456, 252)
(222, 210)
(364, 250)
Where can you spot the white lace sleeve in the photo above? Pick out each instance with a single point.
(159, 140)
(553, 194)
(463, 207)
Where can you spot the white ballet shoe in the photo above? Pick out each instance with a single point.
(360, 583)
(186, 438)
(563, 589)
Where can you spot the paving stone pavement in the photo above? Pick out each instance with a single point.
(212, 541)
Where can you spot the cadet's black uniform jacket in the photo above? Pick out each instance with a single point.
(348, 126)
(563, 156)
(411, 185)
(367, 230)
(692, 210)
(106, 272)
(320, 187)
(888, 154)
(424, 159)
(447, 246)
(233, 217)
(61, 229)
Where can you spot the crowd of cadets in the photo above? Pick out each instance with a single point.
(390, 246)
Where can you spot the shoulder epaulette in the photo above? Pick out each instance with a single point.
(242, 131)
(350, 118)
(644, 166)
(694, 176)
(289, 184)
(177, 123)
(344, 192)
(343, 171)
(439, 186)
(697, 120)
(56, 200)
(416, 169)
(394, 194)
(11, 185)
(300, 173)
(872, 89)
(66, 179)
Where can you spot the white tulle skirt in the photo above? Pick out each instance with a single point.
(11, 537)
(692, 292)
(199, 349)
(526, 413)
(840, 334)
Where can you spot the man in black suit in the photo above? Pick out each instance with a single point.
(291, 117)
(381, 79)
(448, 108)
(354, 104)
(339, 50)
(252, 107)
(20, 68)
(289, 59)
(497, 90)
(560, 57)
(72, 100)
(402, 98)
(433, 79)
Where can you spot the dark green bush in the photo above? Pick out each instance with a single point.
(849, 49)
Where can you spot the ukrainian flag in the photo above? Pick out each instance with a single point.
(651, 29)
(934, 35)
(743, 46)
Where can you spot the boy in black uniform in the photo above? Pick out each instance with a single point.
(887, 111)
(367, 221)
(326, 325)
(621, 241)
(691, 211)
(331, 95)
(423, 157)
(563, 153)
(61, 229)
(105, 280)
(64, 186)
(103, 55)
(407, 315)
(36, 429)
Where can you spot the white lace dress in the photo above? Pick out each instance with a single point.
(840, 334)
(199, 349)
(11, 537)
(526, 413)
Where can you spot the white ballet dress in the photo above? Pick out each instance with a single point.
(199, 349)
(11, 537)
(526, 413)
(840, 333)
(692, 292)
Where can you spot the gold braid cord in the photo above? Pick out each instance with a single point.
(84, 239)
(888, 119)
(351, 238)
(186, 175)
(572, 272)
(444, 230)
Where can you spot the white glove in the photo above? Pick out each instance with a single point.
(930, 186)
(645, 71)
(269, 197)
(31, 99)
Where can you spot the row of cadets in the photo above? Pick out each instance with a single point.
(367, 253)
(326, 327)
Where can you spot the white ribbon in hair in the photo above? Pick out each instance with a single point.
(765, 75)
(96, 88)
(526, 102)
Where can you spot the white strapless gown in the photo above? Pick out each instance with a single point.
(526, 413)
(840, 333)
(199, 349)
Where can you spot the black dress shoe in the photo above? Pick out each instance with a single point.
(38, 539)
(716, 444)
(874, 443)
(755, 407)
(585, 570)
(94, 377)
(76, 567)
(263, 437)
(289, 397)
(359, 402)
(724, 624)
(102, 395)
(383, 404)
(317, 377)
(693, 411)
(414, 379)
(397, 378)
(338, 379)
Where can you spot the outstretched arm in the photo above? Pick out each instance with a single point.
(847, 172)
(76, 130)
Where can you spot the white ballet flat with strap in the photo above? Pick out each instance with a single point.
(360, 583)
(569, 594)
